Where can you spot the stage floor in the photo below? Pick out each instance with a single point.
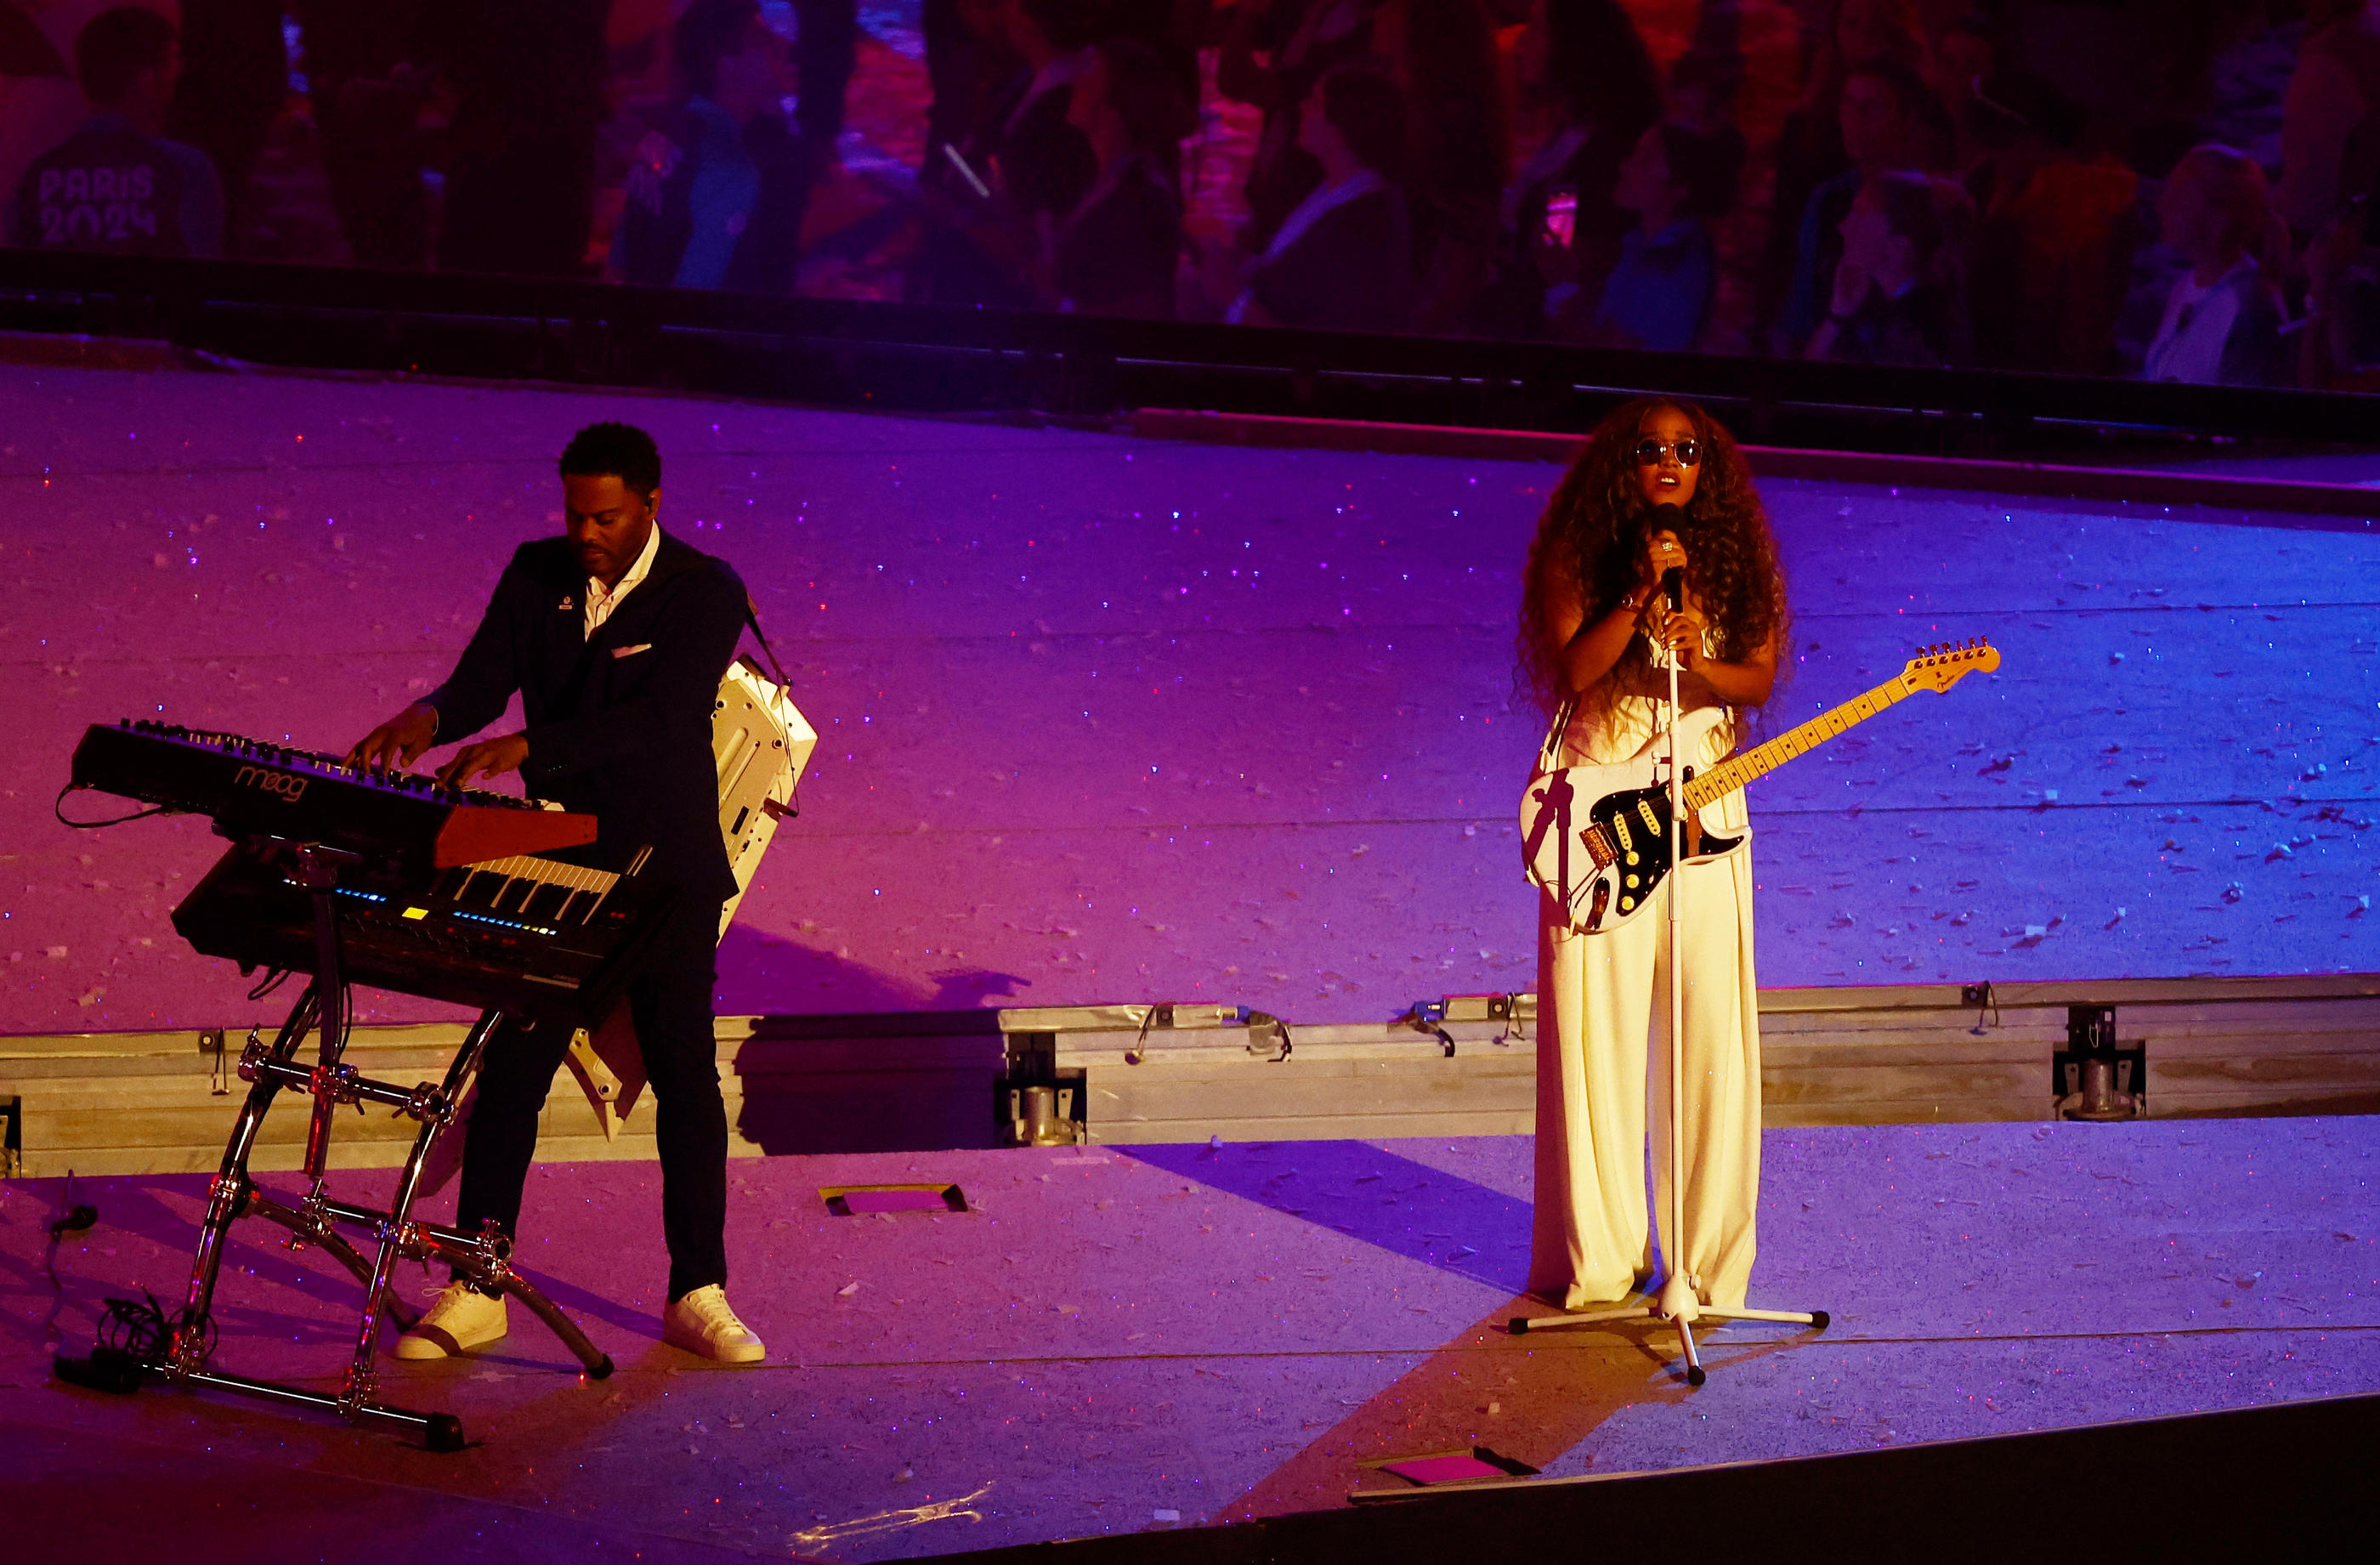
(1181, 1336)
(1108, 719)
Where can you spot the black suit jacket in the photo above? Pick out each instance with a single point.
(618, 726)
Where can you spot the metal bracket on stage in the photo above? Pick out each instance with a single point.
(179, 1350)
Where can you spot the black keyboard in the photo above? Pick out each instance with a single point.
(525, 934)
(252, 788)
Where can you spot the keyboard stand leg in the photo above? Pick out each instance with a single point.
(397, 1234)
(232, 1195)
(484, 1258)
(193, 1330)
(592, 1359)
(402, 1315)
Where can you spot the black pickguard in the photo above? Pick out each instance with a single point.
(1637, 823)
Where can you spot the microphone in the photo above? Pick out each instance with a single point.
(1673, 581)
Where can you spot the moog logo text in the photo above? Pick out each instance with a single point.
(279, 782)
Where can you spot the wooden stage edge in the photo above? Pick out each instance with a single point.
(152, 1102)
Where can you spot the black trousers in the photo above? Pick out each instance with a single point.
(670, 1001)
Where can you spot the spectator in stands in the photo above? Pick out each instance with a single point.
(2332, 96)
(40, 104)
(2222, 320)
(1809, 150)
(716, 191)
(2340, 345)
(1587, 79)
(2054, 246)
(973, 68)
(990, 233)
(968, 61)
(1963, 56)
(1342, 259)
(1300, 40)
(1044, 161)
(1119, 249)
(1895, 293)
(1702, 89)
(1884, 111)
(367, 92)
(1675, 181)
(825, 51)
(235, 83)
(529, 80)
(1443, 56)
(117, 185)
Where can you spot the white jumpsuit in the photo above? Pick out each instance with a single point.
(1602, 1000)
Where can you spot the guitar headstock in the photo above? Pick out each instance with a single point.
(1938, 668)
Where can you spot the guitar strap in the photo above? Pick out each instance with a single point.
(752, 618)
(1550, 752)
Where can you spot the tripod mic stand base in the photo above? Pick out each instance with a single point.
(1659, 1313)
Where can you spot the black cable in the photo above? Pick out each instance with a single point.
(138, 1330)
(752, 618)
(273, 978)
(57, 807)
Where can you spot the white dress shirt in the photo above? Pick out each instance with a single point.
(601, 600)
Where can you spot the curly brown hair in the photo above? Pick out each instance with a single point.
(1593, 529)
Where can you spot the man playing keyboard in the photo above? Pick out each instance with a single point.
(616, 638)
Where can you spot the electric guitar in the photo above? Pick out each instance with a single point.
(1598, 837)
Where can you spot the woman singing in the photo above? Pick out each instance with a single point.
(1593, 619)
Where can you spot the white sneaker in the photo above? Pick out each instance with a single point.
(464, 1321)
(701, 1323)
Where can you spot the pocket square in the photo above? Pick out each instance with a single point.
(632, 651)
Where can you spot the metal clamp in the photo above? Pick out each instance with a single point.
(427, 1102)
(253, 1056)
(336, 1083)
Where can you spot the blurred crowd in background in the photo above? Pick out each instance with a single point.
(2174, 190)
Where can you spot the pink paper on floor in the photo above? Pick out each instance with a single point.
(1444, 1469)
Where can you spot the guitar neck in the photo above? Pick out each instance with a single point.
(1737, 770)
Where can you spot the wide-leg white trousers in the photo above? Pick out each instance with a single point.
(1602, 1005)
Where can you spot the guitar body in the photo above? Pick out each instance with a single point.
(1598, 837)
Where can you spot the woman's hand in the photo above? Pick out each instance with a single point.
(1663, 553)
(1677, 632)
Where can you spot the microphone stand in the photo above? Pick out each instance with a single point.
(1677, 1304)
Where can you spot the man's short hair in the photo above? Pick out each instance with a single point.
(116, 46)
(620, 451)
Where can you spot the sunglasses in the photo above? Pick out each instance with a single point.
(1649, 451)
